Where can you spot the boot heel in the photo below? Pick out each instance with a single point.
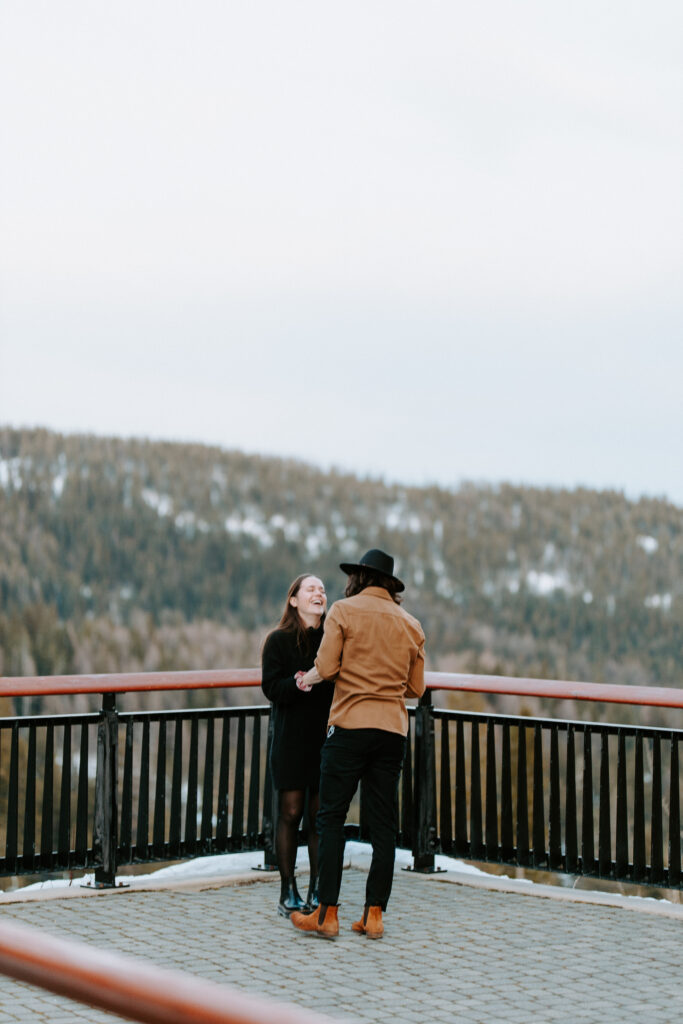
(312, 899)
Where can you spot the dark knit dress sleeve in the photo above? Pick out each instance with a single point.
(299, 717)
(277, 675)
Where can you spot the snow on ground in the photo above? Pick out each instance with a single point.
(355, 855)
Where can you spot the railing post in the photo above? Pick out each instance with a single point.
(424, 802)
(105, 833)
(270, 808)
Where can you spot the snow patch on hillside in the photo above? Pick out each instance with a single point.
(544, 583)
(249, 527)
(161, 503)
(10, 473)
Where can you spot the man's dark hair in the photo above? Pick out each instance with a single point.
(362, 578)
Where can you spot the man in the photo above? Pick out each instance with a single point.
(374, 652)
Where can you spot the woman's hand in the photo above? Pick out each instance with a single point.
(300, 677)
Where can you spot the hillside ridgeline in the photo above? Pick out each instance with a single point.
(119, 555)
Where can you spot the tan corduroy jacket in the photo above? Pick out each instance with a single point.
(374, 652)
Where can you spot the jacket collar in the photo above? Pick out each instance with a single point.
(377, 592)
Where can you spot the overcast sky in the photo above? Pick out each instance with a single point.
(431, 241)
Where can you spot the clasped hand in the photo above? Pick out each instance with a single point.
(307, 680)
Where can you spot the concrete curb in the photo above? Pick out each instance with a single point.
(644, 905)
(78, 891)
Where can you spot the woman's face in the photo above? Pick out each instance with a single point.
(310, 600)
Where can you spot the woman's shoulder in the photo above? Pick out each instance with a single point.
(278, 639)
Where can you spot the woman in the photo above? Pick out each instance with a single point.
(299, 726)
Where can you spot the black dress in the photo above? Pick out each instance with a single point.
(299, 718)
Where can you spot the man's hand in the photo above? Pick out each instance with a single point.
(312, 677)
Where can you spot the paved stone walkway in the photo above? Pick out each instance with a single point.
(451, 952)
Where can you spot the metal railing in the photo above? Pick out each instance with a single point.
(111, 788)
(567, 796)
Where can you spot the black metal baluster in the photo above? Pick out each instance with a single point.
(159, 826)
(462, 846)
(176, 791)
(522, 800)
(238, 794)
(142, 829)
(425, 838)
(605, 830)
(587, 827)
(657, 844)
(506, 830)
(125, 846)
(407, 831)
(224, 789)
(639, 870)
(11, 849)
(81, 850)
(538, 823)
(207, 790)
(255, 785)
(674, 877)
(445, 816)
(29, 838)
(47, 812)
(555, 861)
(621, 851)
(64, 831)
(492, 852)
(106, 823)
(191, 805)
(476, 845)
(571, 838)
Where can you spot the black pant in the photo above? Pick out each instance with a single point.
(376, 757)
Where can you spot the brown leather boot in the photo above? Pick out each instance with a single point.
(370, 923)
(322, 921)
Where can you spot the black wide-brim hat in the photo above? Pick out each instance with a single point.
(378, 561)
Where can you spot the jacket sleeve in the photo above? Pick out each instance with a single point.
(277, 683)
(328, 660)
(415, 686)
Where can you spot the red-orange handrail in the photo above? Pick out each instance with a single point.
(121, 682)
(137, 990)
(558, 689)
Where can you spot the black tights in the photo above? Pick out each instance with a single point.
(290, 813)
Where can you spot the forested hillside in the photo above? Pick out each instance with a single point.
(122, 555)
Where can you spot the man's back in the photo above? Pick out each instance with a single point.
(374, 650)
